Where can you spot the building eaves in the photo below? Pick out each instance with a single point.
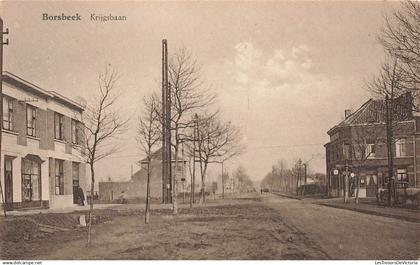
(34, 89)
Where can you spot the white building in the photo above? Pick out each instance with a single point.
(41, 156)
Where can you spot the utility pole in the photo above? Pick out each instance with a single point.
(1, 104)
(389, 136)
(345, 186)
(166, 128)
(305, 165)
(223, 182)
(192, 195)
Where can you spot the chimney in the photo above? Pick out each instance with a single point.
(347, 113)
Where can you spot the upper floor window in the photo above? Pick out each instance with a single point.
(370, 151)
(8, 115)
(401, 148)
(402, 175)
(75, 132)
(31, 120)
(346, 151)
(58, 126)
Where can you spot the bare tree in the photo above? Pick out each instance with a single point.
(217, 142)
(187, 97)
(102, 124)
(148, 135)
(389, 86)
(364, 140)
(401, 38)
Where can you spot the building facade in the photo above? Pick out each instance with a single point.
(42, 146)
(135, 188)
(358, 145)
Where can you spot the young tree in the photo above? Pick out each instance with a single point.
(148, 135)
(364, 140)
(102, 124)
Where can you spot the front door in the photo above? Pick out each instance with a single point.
(371, 186)
(8, 182)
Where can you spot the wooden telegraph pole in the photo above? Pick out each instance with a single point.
(166, 128)
(1, 104)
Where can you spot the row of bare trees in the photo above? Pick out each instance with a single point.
(196, 124)
(284, 179)
(192, 108)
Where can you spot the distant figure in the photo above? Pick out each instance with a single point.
(81, 196)
(122, 198)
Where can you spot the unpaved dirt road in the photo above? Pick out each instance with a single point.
(259, 228)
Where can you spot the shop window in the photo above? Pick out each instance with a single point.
(31, 180)
(59, 177)
(76, 174)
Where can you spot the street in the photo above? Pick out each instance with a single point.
(254, 227)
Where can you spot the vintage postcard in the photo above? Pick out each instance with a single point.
(210, 130)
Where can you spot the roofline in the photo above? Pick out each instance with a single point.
(12, 78)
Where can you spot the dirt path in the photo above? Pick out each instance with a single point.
(245, 229)
(350, 235)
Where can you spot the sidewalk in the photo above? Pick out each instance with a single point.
(370, 207)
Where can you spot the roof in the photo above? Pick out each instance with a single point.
(157, 155)
(374, 111)
(34, 89)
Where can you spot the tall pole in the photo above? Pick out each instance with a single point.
(164, 82)
(389, 145)
(1, 105)
(192, 195)
(166, 128)
(223, 182)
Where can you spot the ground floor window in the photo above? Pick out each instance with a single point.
(59, 177)
(31, 180)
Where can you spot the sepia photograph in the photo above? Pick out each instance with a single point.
(221, 131)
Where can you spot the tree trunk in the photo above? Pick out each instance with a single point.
(203, 183)
(357, 187)
(92, 187)
(174, 197)
(147, 213)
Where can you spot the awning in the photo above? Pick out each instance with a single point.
(34, 158)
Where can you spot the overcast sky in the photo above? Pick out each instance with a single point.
(284, 71)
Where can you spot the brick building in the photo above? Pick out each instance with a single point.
(41, 158)
(135, 188)
(359, 142)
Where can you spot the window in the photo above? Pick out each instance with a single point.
(75, 174)
(8, 113)
(31, 120)
(401, 148)
(75, 132)
(346, 151)
(58, 126)
(59, 177)
(402, 175)
(31, 180)
(370, 151)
